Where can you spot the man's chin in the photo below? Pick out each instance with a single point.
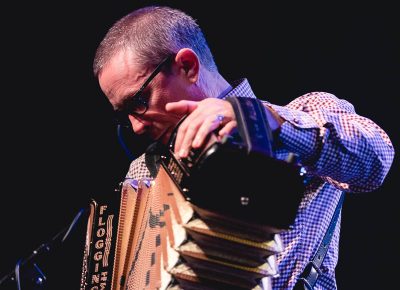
(164, 138)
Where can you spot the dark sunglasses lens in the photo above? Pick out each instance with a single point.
(139, 107)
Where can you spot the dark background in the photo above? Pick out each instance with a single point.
(60, 146)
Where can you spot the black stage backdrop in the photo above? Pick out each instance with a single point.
(60, 146)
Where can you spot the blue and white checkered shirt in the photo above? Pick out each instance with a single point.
(344, 151)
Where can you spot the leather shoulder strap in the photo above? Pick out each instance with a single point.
(310, 274)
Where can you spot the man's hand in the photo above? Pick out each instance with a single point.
(203, 118)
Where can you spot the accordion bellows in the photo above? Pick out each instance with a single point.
(156, 239)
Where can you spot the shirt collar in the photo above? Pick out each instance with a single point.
(240, 88)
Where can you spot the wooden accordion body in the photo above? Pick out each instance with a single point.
(161, 241)
(149, 235)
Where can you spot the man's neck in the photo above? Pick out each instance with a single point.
(220, 87)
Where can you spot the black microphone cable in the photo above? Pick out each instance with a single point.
(122, 141)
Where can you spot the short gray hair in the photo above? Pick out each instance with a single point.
(154, 32)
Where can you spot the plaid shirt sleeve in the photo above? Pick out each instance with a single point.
(348, 150)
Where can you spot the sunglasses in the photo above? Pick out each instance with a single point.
(137, 104)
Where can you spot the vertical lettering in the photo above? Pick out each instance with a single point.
(101, 223)
(103, 276)
(99, 244)
(95, 279)
(97, 256)
(102, 209)
(100, 232)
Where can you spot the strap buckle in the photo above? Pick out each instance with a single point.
(310, 275)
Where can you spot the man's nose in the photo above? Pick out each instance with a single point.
(138, 125)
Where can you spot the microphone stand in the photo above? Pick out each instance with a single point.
(28, 270)
(32, 274)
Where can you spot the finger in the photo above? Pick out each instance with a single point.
(186, 138)
(182, 107)
(211, 124)
(196, 122)
(192, 121)
(227, 129)
(180, 136)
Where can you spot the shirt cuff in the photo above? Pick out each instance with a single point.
(304, 143)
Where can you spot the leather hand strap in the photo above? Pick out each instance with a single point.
(252, 125)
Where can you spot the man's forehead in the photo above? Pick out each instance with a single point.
(120, 71)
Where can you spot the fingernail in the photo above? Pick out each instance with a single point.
(183, 153)
(196, 142)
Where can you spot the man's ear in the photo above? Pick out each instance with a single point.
(188, 64)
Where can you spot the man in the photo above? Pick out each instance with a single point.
(155, 67)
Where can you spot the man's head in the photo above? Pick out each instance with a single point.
(150, 57)
(153, 33)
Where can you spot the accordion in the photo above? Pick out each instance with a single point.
(211, 221)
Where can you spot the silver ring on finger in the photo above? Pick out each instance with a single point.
(219, 119)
